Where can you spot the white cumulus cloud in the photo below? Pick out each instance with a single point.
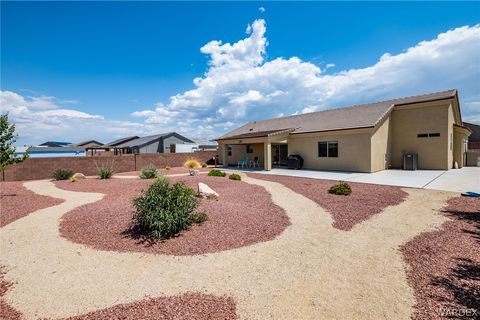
(40, 118)
(240, 85)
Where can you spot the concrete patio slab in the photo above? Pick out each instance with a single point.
(401, 178)
(455, 180)
(460, 180)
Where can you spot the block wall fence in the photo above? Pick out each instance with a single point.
(43, 168)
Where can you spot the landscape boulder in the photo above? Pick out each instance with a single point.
(205, 191)
(78, 175)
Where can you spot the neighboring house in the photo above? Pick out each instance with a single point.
(54, 144)
(160, 143)
(206, 145)
(67, 151)
(363, 138)
(474, 139)
(89, 144)
(108, 148)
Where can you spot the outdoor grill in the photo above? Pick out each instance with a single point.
(294, 161)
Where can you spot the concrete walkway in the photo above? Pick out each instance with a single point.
(455, 180)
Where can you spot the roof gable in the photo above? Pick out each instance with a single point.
(353, 117)
(143, 141)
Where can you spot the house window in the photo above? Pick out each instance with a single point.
(249, 148)
(333, 149)
(328, 149)
(229, 150)
(428, 135)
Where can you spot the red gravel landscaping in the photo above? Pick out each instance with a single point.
(174, 170)
(16, 202)
(6, 311)
(444, 265)
(185, 307)
(365, 201)
(243, 215)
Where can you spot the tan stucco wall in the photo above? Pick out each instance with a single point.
(408, 121)
(353, 150)
(240, 150)
(460, 141)
(451, 121)
(381, 146)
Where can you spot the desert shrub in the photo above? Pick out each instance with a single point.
(198, 217)
(62, 174)
(168, 168)
(149, 172)
(204, 165)
(234, 176)
(104, 172)
(192, 164)
(341, 188)
(165, 209)
(216, 173)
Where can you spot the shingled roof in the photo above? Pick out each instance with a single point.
(120, 141)
(358, 116)
(140, 142)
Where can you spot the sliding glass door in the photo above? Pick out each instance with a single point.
(279, 155)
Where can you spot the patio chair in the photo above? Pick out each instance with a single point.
(243, 162)
(254, 163)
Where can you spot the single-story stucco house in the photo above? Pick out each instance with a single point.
(362, 138)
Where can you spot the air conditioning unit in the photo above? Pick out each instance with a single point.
(410, 161)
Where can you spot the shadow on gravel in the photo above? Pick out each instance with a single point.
(471, 217)
(138, 234)
(463, 280)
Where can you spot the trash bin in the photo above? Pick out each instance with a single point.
(410, 161)
(294, 161)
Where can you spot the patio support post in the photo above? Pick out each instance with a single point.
(225, 155)
(267, 156)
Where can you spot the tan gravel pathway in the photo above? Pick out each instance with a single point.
(310, 271)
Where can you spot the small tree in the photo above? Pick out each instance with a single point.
(7, 138)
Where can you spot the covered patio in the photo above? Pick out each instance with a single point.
(256, 146)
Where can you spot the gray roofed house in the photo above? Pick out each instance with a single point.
(362, 138)
(55, 144)
(120, 141)
(89, 144)
(159, 143)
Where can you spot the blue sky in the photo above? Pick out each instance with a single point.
(114, 66)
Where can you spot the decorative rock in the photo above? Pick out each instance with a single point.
(194, 172)
(205, 191)
(78, 176)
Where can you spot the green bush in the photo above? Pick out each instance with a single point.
(234, 176)
(149, 172)
(341, 188)
(62, 174)
(198, 217)
(165, 209)
(104, 173)
(216, 173)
